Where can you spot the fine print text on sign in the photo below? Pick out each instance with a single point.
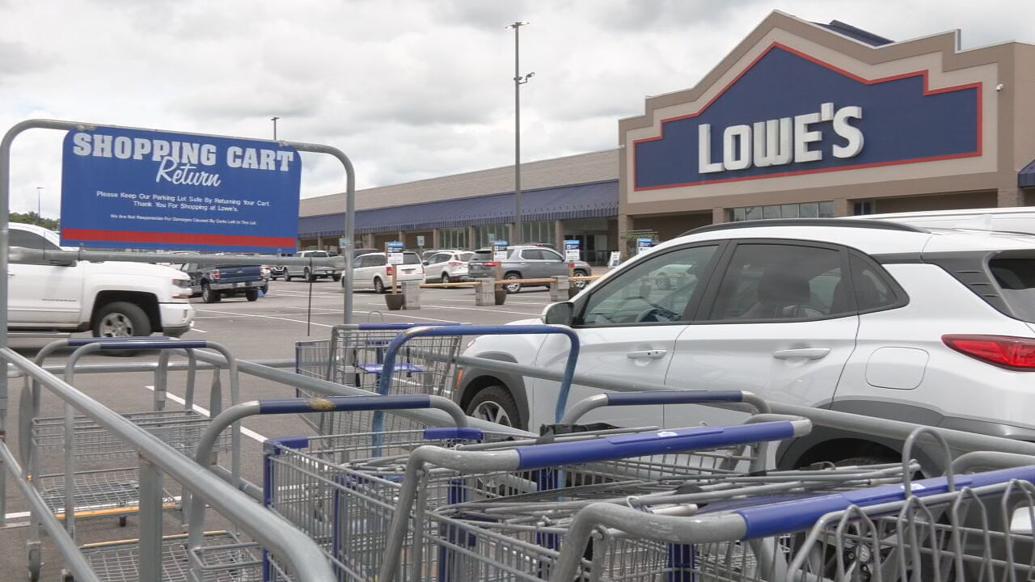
(571, 250)
(499, 250)
(124, 188)
(395, 252)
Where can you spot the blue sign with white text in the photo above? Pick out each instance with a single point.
(789, 113)
(127, 188)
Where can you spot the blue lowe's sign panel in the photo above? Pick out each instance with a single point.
(126, 188)
(789, 113)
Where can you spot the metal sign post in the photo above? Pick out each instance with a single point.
(72, 126)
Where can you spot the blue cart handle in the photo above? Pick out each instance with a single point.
(657, 443)
(801, 514)
(384, 383)
(648, 398)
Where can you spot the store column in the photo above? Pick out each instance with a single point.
(558, 235)
(436, 238)
(368, 240)
(472, 237)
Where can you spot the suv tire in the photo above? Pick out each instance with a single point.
(513, 287)
(580, 285)
(208, 295)
(494, 404)
(121, 319)
(445, 278)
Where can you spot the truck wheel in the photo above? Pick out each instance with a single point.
(309, 278)
(252, 294)
(121, 319)
(208, 295)
(495, 404)
(379, 287)
(336, 278)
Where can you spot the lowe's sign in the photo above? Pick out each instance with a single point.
(789, 113)
(127, 188)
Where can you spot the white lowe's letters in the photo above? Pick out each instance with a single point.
(778, 142)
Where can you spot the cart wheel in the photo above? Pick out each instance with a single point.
(67, 576)
(122, 521)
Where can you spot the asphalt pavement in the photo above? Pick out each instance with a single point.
(264, 329)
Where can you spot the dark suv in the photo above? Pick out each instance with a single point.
(213, 282)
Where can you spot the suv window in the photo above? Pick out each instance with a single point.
(438, 258)
(376, 261)
(411, 259)
(464, 256)
(775, 282)
(551, 255)
(872, 291)
(657, 290)
(1016, 280)
(532, 255)
(30, 240)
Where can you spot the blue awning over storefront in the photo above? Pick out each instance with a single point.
(597, 200)
(1026, 177)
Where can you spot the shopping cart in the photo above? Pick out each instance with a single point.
(340, 490)
(80, 468)
(956, 527)
(354, 356)
(553, 466)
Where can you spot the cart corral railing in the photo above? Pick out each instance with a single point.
(301, 554)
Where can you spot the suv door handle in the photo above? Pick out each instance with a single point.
(806, 353)
(646, 354)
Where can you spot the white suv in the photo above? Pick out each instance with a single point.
(447, 266)
(867, 316)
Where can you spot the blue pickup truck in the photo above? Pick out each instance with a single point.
(213, 282)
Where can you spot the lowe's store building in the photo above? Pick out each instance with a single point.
(799, 120)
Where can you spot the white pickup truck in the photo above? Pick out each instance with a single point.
(111, 298)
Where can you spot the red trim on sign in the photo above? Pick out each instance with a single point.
(79, 234)
(927, 91)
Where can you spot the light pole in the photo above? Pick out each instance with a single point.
(519, 80)
(39, 202)
(274, 120)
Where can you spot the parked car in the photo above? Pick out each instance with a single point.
(278, 272)
(525, 262)
(110, 298)
(933, 326)
(447, 266)
(372, 271)
(213, 282)
(312, 273)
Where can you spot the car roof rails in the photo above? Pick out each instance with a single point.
(834, 222)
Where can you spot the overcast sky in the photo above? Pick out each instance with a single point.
(408, 89)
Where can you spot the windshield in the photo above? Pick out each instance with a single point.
(466, 256)
(318, 254)
(411, 259)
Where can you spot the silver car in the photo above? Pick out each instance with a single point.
(525, 262)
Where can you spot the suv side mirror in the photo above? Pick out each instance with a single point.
(559, 313)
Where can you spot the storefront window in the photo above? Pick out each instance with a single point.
(538, 232)
(453, 238)
(490, 233)
(802, 210)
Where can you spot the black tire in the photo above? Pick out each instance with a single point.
(514, 287)
(336, 278)
(379, 286)
(287, 277)
(495, 404)
(208, 295)
(121, 319)
(252, 294)
(445, 278)
(580, 284)
(309, 278)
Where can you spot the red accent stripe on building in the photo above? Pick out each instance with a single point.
(181, 238)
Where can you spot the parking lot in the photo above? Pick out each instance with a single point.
(261, 330)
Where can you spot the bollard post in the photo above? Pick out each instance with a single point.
(485, 292)
(411, 295)
(559, 288)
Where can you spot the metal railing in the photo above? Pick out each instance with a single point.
(157, 459)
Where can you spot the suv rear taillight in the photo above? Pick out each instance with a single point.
(455, 264)
(490, 264)
(1016, 353)
(214, 274)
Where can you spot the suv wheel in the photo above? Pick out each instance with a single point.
(121, 319)
(513, 287)
(580, 284)
(208, 295)
(494, 404)
(445, 278)
(379, 287)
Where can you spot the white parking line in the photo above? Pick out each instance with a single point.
(204, 412)
(198, 330)
(525, 313)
